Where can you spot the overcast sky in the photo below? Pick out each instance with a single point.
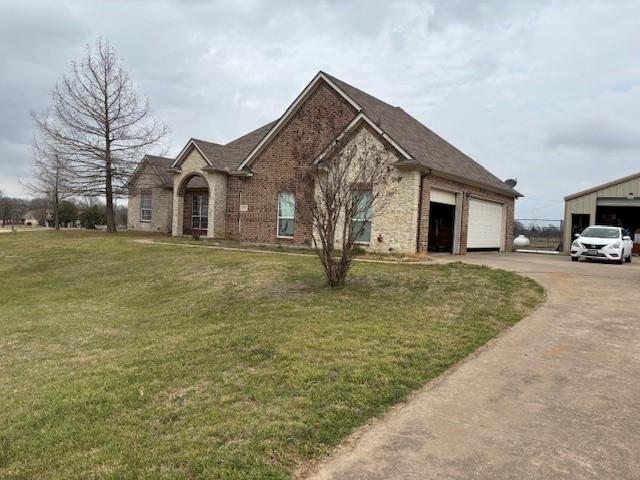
(546, 92)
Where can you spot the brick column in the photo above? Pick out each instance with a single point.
(178, 207)
(423, 233)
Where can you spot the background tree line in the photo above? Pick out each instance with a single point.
(89, 212)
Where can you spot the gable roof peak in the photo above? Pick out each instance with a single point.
(160, 166)
(422, 144)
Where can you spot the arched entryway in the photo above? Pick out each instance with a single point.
(194, 191)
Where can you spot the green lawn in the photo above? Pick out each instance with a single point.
(122, 360)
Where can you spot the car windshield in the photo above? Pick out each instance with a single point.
(598, 232)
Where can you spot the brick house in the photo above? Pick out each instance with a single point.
(246, 189)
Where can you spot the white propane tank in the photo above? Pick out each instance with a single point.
(521, 241)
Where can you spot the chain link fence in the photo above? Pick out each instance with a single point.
(543, 234)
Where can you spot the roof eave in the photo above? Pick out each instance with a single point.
(507, 192)
(241, 173)
(411, 165)
(602, 186)
(213, 168)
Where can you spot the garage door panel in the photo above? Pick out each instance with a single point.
(485, 224)
(442, 196)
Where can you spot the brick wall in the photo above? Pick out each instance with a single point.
(464, 190)
(278, 168)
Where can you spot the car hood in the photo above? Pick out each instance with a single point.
(597, 241)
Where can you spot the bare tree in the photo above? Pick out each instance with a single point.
(99, 123)
(41, 208)
(351, 181)
(13, 210)
(4, 208)
(51, 178)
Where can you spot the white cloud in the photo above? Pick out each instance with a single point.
(539, 90)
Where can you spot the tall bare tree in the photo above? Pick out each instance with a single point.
(99, 123)
(12, 210)
(41, 209)
(51, 178)
(352, 180)
(4, 208)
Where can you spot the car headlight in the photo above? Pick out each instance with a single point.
(615, 245)
(575, 245)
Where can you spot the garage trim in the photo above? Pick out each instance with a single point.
(618, 202)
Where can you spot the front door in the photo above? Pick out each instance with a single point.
(196, 213)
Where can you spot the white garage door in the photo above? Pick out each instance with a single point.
(442, 196)
(485, 224)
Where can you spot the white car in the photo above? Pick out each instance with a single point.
(602, 243)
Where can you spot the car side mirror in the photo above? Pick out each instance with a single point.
(576, 235)
(626, 237)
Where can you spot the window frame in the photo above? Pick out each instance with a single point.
(367, 217)
(279, 217)
(143, 194)
(197, 198)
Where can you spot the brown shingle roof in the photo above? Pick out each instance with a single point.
(159, 164)
(231, 155)
(246, 142)
(213, 151)
(162, 164)
(426, 147)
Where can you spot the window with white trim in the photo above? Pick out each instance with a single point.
(145, 206)
(286, 214)
(362, 215)
(200, 212)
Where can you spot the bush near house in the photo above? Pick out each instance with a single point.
(159, 361)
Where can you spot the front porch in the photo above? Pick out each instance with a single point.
(199, 198)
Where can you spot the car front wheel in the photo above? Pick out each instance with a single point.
(574, 259)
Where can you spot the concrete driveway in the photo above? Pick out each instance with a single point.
(558, 396)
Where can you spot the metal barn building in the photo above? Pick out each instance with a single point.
(612, 203)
